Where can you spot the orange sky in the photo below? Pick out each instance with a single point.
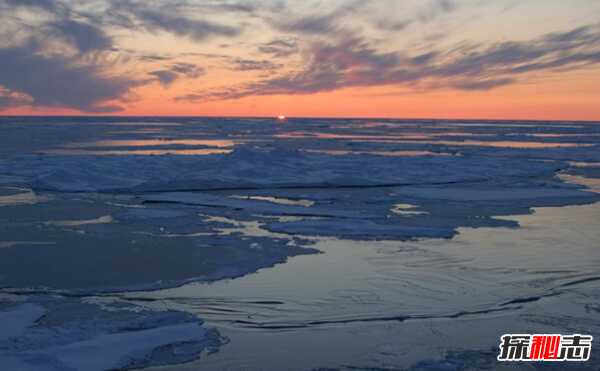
(415, 59)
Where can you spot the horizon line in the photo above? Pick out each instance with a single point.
(301, 117)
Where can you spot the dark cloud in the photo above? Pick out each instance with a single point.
(485, 84)
(168, 76)
(241, 7)
(352, 62)
(50, 22)
(424, 58)
(315, 25)
(151, 57)
(322, 23)
(253, 65)
(332, 66)
(279, 47)
(225, 93)
(556, 50)
(57, 81)
(133, 14)
(82, 36)
(165, 77)
(192, 97)
(195, 29)
(187, 69)
(388, 24)
(49, 5)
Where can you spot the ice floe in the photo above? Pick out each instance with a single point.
(53, 333)
(18, 196)
(200, 200)
(248, 168)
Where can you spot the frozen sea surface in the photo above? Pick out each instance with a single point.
(344, 244)
(427, 305)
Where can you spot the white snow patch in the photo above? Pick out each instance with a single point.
(75, 223)
(407, 210)
(115, 350)
(277, 200)
(61, 334)
(592, 184)
(27, 197)
(585, 164)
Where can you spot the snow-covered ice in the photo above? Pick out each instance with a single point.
(54, 333)
(110, 206)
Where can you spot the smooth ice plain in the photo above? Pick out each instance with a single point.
(262, 244)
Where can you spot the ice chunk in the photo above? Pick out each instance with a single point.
(106, 219)
(73, 334)
(407, 210)
(276, 200)
(18, 196)
(254, 204)
(125, 349)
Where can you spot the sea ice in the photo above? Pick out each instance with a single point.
(53, 333)
(136, 221)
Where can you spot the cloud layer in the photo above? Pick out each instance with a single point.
(71, 54)
(353, 62)
(55, 81)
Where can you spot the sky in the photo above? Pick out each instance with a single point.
(497, 59)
